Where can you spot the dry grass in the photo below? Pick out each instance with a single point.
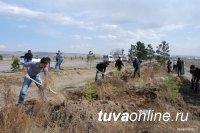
(79, 115)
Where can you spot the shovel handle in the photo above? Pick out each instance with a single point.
(40, 84)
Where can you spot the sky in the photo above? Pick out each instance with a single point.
(78, 26)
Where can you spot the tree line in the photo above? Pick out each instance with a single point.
(143, 51)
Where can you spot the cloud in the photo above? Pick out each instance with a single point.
(107, 37)
(15, 10)
(108, 27)
(2, 46)
(113, 23)
(79, 37)
(171, 27)
(31, 14)
(84, 48)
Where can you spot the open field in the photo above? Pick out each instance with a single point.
(71, 111)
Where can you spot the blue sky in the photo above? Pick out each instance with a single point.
(78, 26)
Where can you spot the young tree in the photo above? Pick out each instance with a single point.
(163, 52)
(139, 50)
(15, 65)
(150, 52)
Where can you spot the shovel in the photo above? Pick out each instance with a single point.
(49, 89)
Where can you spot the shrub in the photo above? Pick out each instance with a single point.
(117, 74)
(170, 84)
(15, 65)
(90, 91)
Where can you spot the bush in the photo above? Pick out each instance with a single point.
(15, 65)
(117, 74)
(90, 91)
(170, 84)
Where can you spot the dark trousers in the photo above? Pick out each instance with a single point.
(168, 69)
(195, 84)
(119, 68)
(179, 71)
(136, 71)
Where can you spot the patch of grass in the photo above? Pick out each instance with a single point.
(90, 91)
(170, 84)
(117, 74)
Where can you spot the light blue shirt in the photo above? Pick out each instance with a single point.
(34, 68)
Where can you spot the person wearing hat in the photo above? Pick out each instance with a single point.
(59, 60)
(59, 53)
(195, 78)
(101, 69)
(119, 64)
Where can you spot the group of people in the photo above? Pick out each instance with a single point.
(101, 67)
(178, 66)
(32, 70)
(59, 59)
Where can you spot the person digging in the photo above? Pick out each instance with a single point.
(119, 64)
(33, 69)
(101, 69)
(195, 78)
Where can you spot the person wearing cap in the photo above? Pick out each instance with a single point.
(33, 71)
(119, 64)
(136, 65)
(59, 60)
(101, 69)
(195, 78)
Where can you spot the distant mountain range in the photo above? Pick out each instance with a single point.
(8, 54)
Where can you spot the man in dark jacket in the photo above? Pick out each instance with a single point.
(169, 63)
(28, 56)
(119, 64)
(136, 65)
(101, 69)
(195, 78)
(179, 66)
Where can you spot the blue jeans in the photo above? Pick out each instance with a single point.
(57, 67)
(49, 64)
(25, 86)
